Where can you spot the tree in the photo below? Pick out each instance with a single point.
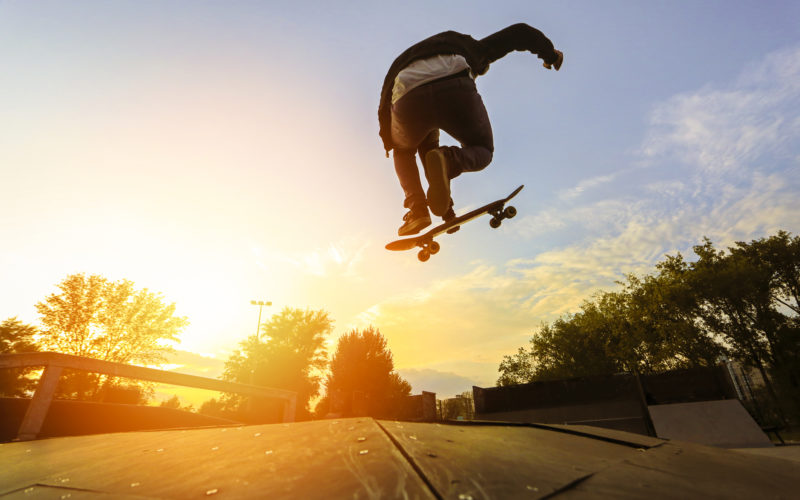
(516, 369)
(174, 403)
(291, 356)
(112, 321)
(217, 408)
(16, 337)
(782, 254)
(661, 312)
(574, 346)
(743, 301)
(461, 407)
(100, 319)
(779, 257)
(648, 326)
(749, 296)
(362, 380)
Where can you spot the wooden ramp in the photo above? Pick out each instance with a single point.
(724, 423)
(365, 458)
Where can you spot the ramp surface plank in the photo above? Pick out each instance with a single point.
(349, 458)
(621, 437)
(491, 461)
(683, 470)
(362, 458)
(39, 492)
(481, 461)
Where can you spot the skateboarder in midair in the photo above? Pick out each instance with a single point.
(430, 87)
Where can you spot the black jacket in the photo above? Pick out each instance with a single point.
(478, 53)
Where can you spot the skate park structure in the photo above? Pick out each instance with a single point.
(367, 458)
(696, 405)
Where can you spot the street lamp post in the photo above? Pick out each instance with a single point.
(260, 304)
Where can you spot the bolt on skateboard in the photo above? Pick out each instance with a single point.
(428, 246)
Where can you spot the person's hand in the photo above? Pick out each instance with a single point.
(557, 63)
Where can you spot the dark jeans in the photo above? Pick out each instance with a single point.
(452, 105)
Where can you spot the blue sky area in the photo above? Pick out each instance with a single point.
(218, 152)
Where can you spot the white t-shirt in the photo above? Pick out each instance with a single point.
(426, 70)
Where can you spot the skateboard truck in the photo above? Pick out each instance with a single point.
(499, 214)
(428, 249)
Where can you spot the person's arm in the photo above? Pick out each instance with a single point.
(522, 37)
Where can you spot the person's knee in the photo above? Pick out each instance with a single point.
(484, 158)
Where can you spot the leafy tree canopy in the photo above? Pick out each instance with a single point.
(16, 337)
(362, 377)
(744, 302)
(290, 355)
(109, 320)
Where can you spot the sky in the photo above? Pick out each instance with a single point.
(222, 152)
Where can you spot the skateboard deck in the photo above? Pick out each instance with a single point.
(426, 242)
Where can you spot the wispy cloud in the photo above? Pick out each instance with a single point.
(719, 130)
(337, 259)
(599, 217)
(574, 192)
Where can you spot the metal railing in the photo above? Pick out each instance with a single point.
(54, 363)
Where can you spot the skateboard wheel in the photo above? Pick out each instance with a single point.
(495, 222)
(424, 255)
(434, 247)
(509, 212)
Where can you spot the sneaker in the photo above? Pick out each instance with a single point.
(447, 217)
(438, 181)
(414, 223)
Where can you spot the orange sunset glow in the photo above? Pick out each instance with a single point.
(217, 154)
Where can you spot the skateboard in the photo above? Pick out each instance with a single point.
(428, 246)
